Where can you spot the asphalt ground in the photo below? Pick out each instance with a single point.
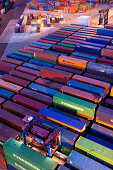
(13, 13)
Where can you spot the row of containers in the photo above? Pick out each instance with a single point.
(5, 5)
(71, 6)
(66, 79)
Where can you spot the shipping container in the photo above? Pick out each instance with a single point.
(107, 53)
(92, 43)
(92, 81)
(81, 94)
(72, 62)
(23, 75)
(84, 55)
(88, 49)
(53, 37)
(7, 132)
(105, 32)
(30, 103)
(28, 70)
(68, 69)
(2, 100)
(57, 35)
(109, 103)
(41, 63)
(79, 106)
(15, 80)
(37, 96)
(101, 132)
(10, 167)
(55, 75)
(23, 54)
(6, 93)
(102, 69)
(62, 167)
(47, 41)
(7, 66)
(48, 83)
(46, 56)
(104, 116)
(99, 141)
(87, 87)
(64, 44)
(18, 110)
(98, 40)
(2, 72)
(105, 61)
(14, 165)
(95, 151)
(62, 119)
(11, 120)
(17, 57)
(11, 60)
(2, 159)
(99, 77)
(42, 44)
(62, 49)
(54, 52)
(50, 39)
(111, 93)
(26, 51)
(32, 66)
(87, 123)
(42, 89)
(28, 156)
(10, 86)
(80, 161)
(62, 31)
(81, 58)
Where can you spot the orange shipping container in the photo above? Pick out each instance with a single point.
(72, 62)
(10, 86)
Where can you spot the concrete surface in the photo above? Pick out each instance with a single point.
(18, 40)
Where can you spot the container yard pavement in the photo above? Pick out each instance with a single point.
(13, 13)
(10, 37)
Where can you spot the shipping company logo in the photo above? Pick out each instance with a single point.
(71, 106)
(20, 167)
(25, 162)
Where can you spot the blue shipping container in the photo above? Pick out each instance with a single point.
(63, 119)
(42, 89)
(17, 57)
(87, 49)
(84, 55)
(32, 66)
(41, 63)
(6, 93)
(100, 141)
(87, 87)
(98, 40)
(105, 32)
(100, 69)
(42, 44)
(80, 161)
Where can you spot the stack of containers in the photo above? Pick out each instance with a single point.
(21, 156)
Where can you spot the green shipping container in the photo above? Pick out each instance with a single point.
(66, 45)
(55, 10)
(15, 163)
(94, 150)
(27, 156)
(73, 29)
(81, 107)
(23, 54)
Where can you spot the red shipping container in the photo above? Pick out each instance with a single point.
(32, 104)
(55, 75)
